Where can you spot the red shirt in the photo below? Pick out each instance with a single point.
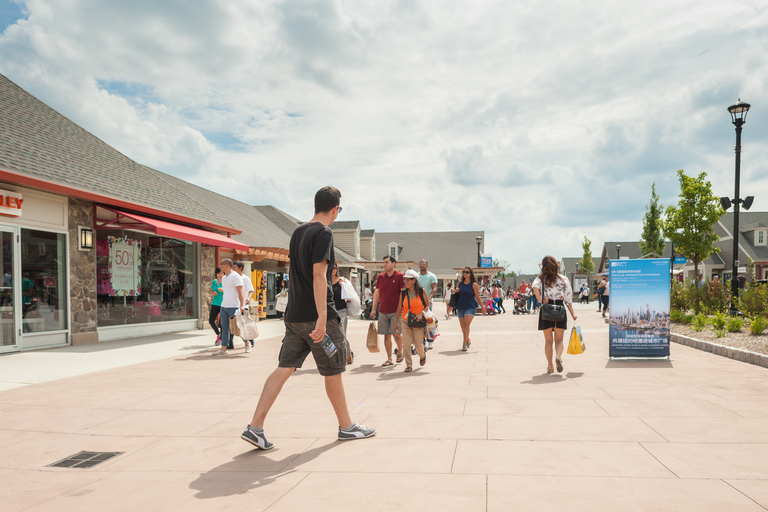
(523, 288)
(389, 291)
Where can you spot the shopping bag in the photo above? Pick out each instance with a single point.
(349, 294)
(248, 328)
(576, 346)
(372, 342)
(234, 328)
(282, 303)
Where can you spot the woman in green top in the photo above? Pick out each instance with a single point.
(218, 295)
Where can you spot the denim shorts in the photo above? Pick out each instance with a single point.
(465, 312)
(297, 345)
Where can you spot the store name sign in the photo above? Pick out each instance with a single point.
(10, 203)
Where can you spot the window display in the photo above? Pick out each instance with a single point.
(145, 278)
(43, 281)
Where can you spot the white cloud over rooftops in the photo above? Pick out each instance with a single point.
(536, 121)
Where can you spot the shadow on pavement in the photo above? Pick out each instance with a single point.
(546, 378)
(236, 477)
(639, 363)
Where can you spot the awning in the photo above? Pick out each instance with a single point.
(123, 220)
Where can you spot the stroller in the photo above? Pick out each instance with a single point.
(365, 314)
(520, 304)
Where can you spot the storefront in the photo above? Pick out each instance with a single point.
(34, 297)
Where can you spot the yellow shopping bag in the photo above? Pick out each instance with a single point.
(576, 346)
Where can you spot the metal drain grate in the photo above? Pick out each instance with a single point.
(84, 459)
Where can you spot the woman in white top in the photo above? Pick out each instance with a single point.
(556, 290)
(447, 299)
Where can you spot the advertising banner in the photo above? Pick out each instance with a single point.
(486, 261)
(124, 266)
(639, 308)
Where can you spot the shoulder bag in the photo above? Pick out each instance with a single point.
(413, 321)
(551, 312)
(454, 300)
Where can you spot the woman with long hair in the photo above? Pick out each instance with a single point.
(551, 287)
(413, 299)
(469, 300)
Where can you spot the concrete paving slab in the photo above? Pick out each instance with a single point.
(713, 460)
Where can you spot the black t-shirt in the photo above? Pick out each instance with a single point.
(310, 243)
(340, 303)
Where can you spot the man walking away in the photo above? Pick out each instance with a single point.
(389, 284)
(309, 318)
(232, 301)
(248, 293)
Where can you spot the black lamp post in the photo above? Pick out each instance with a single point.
(738, 117)
(479, 240)
(618, 251)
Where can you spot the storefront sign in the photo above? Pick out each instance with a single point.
(124, 266)
(10, 203)
(639, 308)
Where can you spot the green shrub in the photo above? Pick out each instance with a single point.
(734, 324)
(720, 333)
(718, 323)
(757, 325)
(688, 319)
(754, 301)
(677, 316)
(679, 296)
(700, 321)
(715, 298)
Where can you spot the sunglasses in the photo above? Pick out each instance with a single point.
(339, 209)
(465, 272)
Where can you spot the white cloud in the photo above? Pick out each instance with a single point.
(538, 121)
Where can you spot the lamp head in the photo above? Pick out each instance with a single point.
(725, 203)
(747, 203)
(739, 112)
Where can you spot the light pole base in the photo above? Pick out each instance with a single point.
(735, 312)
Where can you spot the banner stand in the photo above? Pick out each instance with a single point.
(638, 358)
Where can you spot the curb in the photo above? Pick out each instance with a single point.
(734, 353)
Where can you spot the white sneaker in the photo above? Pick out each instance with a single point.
(431, 345)
(247, 347)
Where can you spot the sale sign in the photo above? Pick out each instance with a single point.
(124, 266)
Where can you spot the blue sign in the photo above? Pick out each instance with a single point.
(679, 260)
(639, 308)
(486, 261)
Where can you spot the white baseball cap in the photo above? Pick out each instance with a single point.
(411, 274)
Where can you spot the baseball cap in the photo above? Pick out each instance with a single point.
(411, 274)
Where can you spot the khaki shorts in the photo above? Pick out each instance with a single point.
(297, 345)
(387, 322)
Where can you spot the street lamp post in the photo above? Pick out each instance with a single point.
(738, 113)
(479, 240)
(618, 251)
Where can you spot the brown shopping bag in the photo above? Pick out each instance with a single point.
(576, 346)
(234, 328)
(373, 338)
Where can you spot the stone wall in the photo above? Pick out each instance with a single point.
(208, 266)
(82, 275)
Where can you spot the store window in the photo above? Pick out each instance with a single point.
(144, 278)
(43, 281)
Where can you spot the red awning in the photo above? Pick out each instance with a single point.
(125, 220)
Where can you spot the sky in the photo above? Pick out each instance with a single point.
(538, 121)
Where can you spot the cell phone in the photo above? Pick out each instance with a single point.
(328, 345)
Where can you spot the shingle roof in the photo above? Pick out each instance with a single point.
(444, 250)
(367, 233)
(345, 224)
(287, 223)
(747, 222)
(569, 264)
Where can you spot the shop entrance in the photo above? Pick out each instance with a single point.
(9, 294)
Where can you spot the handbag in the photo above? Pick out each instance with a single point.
(551, 312)
(454, 299)
(413, 321)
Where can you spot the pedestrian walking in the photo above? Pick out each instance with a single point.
(413, 301)
(606, 295)
(551, 287)
(341, 308)
(248, 295)
(469, 300)
(310, 319)
(389, 284)
(233, 301)
(495, 295)
(447, 300)
(427, 280)
(501, 298)
(217, 292)
(600, 292)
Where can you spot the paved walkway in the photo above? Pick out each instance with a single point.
(476, 431)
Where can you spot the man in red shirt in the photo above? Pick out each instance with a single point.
(389, 284)
(523, 287)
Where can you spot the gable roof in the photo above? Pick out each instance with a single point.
(570, 264)
(345, 224)
(749, 221)
(444, 250)
(367, 233)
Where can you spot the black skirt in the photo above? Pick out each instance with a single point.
(546, 324)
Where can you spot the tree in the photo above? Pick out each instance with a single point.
(652, 240)
(690, 224)
(505, 265)
(585, 263)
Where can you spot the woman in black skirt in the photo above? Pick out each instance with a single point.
(557, 290)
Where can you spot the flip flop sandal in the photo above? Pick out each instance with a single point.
(550, 370)
(408, 369)
(399, 359)
(464, 348)
(423, 361)
(559, 364)
(387, 363)
(469, 342)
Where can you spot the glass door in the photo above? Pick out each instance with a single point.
(9, 340)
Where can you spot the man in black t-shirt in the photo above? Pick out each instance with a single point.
(310, 316)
